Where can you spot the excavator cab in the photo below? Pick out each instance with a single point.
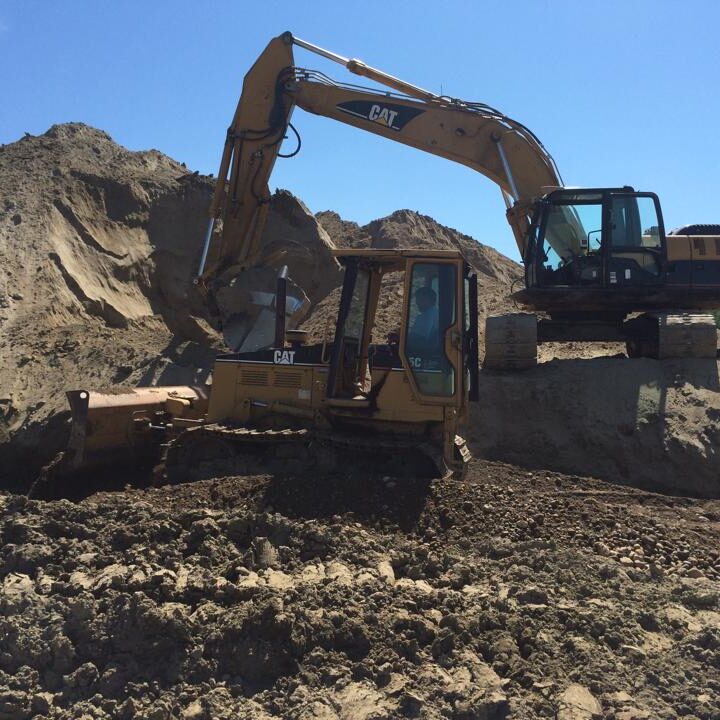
(600, 267)
(596, 238)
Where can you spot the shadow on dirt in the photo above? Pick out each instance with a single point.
(79, 484)
(399, 501)
(313, 495)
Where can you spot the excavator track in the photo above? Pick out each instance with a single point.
(674, 335)
(686, 335)
(511, 342)
(216, 450)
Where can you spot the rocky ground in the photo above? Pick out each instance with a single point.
(509, 595)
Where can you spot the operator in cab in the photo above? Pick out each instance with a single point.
(423, 336)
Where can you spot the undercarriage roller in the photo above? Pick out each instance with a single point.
(511, 341)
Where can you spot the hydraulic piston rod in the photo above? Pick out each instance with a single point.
(358, 67)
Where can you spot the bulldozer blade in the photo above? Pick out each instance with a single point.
(127, 426)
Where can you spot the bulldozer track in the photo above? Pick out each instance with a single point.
(285, 448)
(511, 342)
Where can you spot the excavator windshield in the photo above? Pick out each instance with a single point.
(599, 238)
(574, 225)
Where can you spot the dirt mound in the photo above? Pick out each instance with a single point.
(343, 597)
(99, 246)
(649, 423)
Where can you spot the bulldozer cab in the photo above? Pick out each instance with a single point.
(435, 342)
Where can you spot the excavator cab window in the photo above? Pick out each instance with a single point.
(634, 222)
(572, 241)
(599, 238)
(431, 312)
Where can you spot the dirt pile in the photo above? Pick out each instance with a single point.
(93, 244)
(511, 595)
(98, 248)
(648, 423)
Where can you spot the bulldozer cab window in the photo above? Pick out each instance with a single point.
(432, 310)
(345, 380)
(355, 321)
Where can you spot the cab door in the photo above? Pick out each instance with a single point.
(634, 239)
(346, 360)
(432, 341)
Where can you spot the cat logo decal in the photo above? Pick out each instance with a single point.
(389, 115)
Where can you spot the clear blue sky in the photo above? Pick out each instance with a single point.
(619, 91)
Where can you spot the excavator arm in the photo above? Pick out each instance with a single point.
(472, 134)
(252, 145)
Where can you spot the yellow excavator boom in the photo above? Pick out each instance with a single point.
(472, 134)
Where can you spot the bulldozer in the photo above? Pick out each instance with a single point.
(397, 406)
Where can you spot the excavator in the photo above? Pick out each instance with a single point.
(593, 257)
(598, 263)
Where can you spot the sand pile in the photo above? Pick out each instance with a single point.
(648, 423)
(98, 249)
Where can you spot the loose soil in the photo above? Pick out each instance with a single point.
(511, 594)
